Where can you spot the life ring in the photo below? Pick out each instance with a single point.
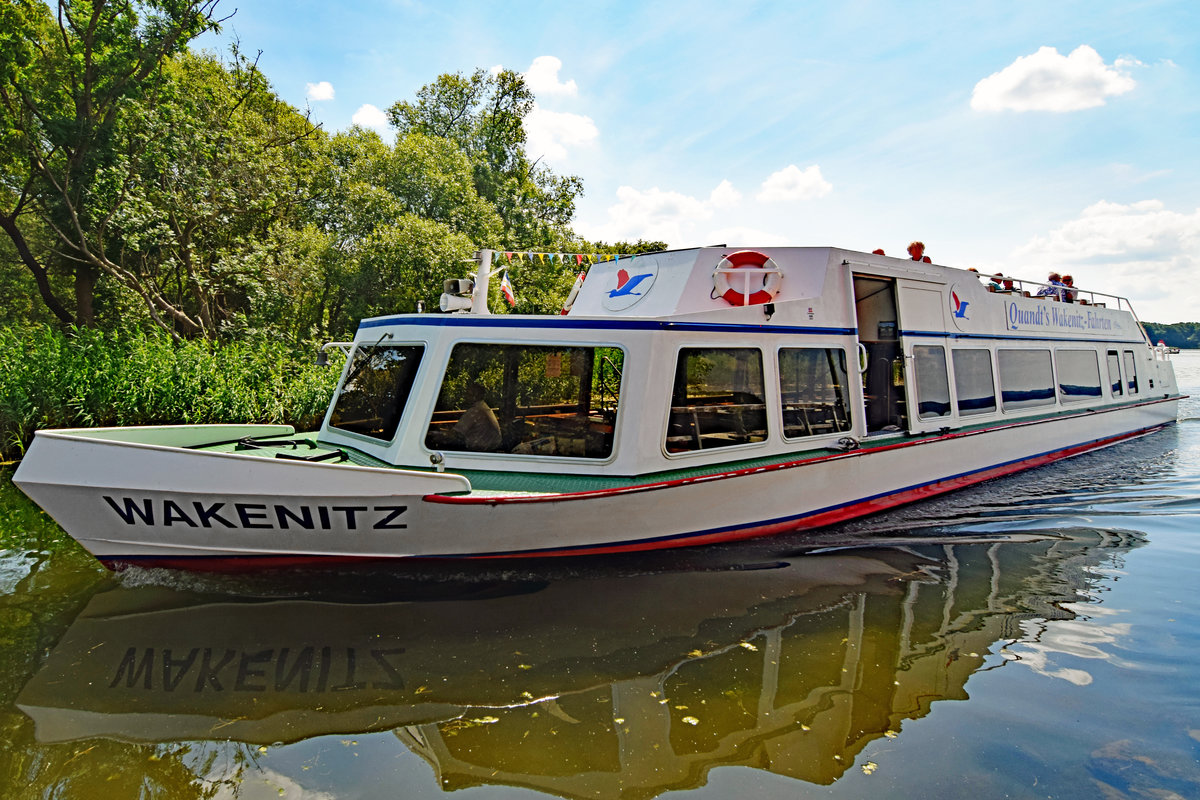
(573, 294)
(724, 281)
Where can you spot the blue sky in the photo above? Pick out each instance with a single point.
(1009, 136)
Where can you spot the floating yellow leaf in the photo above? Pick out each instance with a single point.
(749, 646)
(869, 767)
(691, 720)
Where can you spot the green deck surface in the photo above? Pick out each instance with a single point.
(549, 482)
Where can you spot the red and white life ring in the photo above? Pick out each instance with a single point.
(730, 286)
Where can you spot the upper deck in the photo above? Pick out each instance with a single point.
(815, 291)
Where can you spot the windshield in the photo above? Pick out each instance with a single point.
(372, 398)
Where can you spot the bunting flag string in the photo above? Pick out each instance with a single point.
(499, 257)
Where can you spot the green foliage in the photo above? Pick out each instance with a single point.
(145, 187)
(69, 96)
(483, 116)
(1180, 334)
(49, 379)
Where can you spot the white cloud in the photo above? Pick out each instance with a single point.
(671, 217)
(1047, 81)
(320, 91)
(1141, 250)
(261, 784)
(724, 196)
(368, 116)
(792, 183)
(549, 133)
(542, 78)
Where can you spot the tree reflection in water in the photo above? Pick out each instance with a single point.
(579, 685)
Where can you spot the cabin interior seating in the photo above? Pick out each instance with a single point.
(549, 430)
(544, 400)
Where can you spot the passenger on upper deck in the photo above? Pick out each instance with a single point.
(1069, 292)
(916, 252)
(1055, 289)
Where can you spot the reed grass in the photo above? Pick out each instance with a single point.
(92, 378)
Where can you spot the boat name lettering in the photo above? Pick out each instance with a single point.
(259, 516)
(209, 669)
(1058, 317)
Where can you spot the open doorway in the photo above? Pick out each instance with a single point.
(882, 352)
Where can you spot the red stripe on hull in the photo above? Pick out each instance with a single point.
(842, 514)
(645, 487)
(247, 563)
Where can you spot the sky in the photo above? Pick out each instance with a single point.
(1012, 136)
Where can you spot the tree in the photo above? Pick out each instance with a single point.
(203, 176)
(483, 116)
(65, 79)
(396, 221)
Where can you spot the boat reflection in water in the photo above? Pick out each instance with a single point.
(586, 685)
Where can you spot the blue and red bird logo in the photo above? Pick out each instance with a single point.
(959, 307)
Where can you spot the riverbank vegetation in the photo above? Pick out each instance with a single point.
(92, 377)
(1184, 335)
(178, 241)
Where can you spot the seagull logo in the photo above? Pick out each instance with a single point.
(627, 283)
(959, 307)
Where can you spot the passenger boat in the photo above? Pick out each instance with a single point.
(684, 398)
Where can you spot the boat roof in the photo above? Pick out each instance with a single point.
(810, 288)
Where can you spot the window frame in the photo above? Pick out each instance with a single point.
(1129, 365)
(1071, 399)
(422, 435)
(1115, 388)
(1050, 399)
(992, 380)
(945, 382)
(767, 405)
(848, 403)
(414, 386)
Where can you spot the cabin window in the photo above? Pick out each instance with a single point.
(1078, 375)
(933, 385)
(812, 388)
(1026, 378)
(717, 400)
(371, 399)
(1131, 381)
(973, 382)
(1114, 373)
(546, 400)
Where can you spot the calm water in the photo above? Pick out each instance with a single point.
(1035, 637)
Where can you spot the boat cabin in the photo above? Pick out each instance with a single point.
(690, 358)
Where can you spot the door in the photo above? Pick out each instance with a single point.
(881, 353)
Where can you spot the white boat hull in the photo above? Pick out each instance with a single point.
(128, 501)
